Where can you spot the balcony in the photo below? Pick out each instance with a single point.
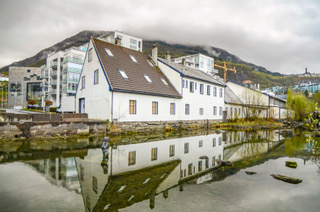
(66, 90)
(69, 69)
(53, 73)
(53, 64)
(77, 60)
(53, 82)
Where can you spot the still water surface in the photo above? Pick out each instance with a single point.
(176, 174)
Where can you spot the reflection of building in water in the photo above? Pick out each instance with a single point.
(239, 145)
(58, 171)
(138, 172)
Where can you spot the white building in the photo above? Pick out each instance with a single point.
(121, 84)
(198, 61)
(128, 41)
(61, 73)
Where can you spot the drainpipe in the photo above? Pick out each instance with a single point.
(111, 106)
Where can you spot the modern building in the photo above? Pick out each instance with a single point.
(121, 84)
(61, 73)
(24, 85)
(128, 41)
(198, 61)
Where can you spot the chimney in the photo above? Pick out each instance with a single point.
(183, 62)
(155, 54)
(306, 70)
(117, 41)
(168, 56)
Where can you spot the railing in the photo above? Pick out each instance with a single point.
(73, 60)
(69, 69)
(53, 73)
(54, 63)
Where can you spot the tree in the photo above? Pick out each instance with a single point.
(316, 98)
(254, 104)
(306, 93)
(300, 104)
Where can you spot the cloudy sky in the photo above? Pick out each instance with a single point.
(281, 35)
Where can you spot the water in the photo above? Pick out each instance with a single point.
(159, 174)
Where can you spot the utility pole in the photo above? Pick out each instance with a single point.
(225, 69)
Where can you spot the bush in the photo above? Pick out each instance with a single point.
(53, 109)
(31, 102)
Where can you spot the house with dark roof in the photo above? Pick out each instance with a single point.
(122, 84)
(233, 105)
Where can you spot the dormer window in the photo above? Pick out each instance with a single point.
(109, 52)
(123, 74)
(147, 78)
(150, 63)
(164, 81)
(133, 58)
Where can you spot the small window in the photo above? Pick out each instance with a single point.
(96, 76)
(214, 110)
(195, 86)
(155, 108)
(109, 52)
(186, 148)
(208, 90)
(213, 161)
(201, 143)
(214, 91)
(83, 82)
(172, 108)
(133, 58)
(201, 111)
(220, 93)
(132, 106)
(154, 154)
(214, 142)
(132, 158)
(90, 55)
(187, 109)
(164, 81)
(220, 141)
(182, 83)
(220, 111)
(150, 63)
(186, 83)
(200, 165)
(123, 74)
(191, 87)
(171, 150)
(201, 89)
(147, 78)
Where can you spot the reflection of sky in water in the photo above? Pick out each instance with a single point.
(242, 192)
(24, 189)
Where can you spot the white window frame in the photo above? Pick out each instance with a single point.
(147, 78)
(109, 52)
(96, 77)
(123, 74)
(133, 58)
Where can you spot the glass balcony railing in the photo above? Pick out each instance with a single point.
(69, 69)
(53, 73)
(66, 90)
(53, 64)
(73, 60)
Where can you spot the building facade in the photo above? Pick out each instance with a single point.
(24, 85)
(61, 73)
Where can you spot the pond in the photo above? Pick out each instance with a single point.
(174, 173)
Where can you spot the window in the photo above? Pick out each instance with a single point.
(186, 148)
(214, 110)
(201, 143)
(182, 83)
(190, 169)
(132, 106)
(133, 58)
(213, 161)
(220, 93)
(132, 158)
(147, 78)
(172, 108)
(220, 141)
(201, 89)
(207, 163)
(96, 76)
(214, 142)
(109, 52)
(164, 82)
(90, 55)
(95, 185)
(214, 91)
(208, 90)
(154, 107)
(171, 150)
(186, 83)
(220, 111)
(133, 44)
(195, 86)
(187, 109)
(123, 74)
(200, 166)
(83, 82)
(201, 111)
(154, 154)
(191, 87)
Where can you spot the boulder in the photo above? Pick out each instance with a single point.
(250, 172)
(291, 164)
(224, 163)
(286, 178)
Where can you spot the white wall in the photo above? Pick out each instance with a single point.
(97, 96)
(242, 91)
(173, 76)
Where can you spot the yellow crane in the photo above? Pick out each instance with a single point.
(225, 69)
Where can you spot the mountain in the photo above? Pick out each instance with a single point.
(245, 70)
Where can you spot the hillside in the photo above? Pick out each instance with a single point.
(245, 70)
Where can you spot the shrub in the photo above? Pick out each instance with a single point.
(31, 102)
(53, 109)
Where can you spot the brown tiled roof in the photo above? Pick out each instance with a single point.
(135, 71)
